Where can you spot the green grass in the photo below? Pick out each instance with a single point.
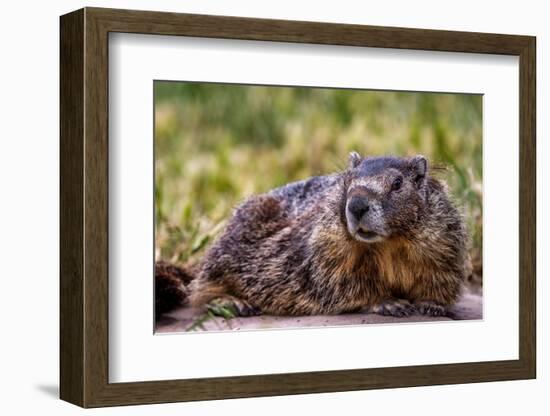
(216, 144)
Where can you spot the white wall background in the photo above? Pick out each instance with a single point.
(29, 159)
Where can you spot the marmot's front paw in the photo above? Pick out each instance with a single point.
(394, 307)
(228, 305)
(431, 308)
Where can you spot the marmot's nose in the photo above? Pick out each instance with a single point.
(358, 206)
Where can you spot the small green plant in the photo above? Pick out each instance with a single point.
(212, 312)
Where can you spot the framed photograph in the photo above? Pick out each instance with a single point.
(255, 207)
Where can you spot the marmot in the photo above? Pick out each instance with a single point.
(382, 235)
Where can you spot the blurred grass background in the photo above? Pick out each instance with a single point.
(216, 144)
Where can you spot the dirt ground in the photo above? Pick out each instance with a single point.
(469, 307)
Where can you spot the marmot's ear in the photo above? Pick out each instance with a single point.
(420, 168)
(353, 160)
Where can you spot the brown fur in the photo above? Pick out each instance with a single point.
(170, 287)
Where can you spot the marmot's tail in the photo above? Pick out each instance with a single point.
(170, 287)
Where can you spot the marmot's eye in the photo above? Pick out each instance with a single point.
(396, 184)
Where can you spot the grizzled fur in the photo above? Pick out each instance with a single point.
(303, 249)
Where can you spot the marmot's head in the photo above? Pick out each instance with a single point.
(384, 196)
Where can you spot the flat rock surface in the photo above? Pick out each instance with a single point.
(185, 319)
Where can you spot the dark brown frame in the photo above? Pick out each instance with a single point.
(84, 209)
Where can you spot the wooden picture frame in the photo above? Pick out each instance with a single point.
(84, 207)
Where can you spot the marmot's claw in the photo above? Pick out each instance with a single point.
(431, 308)
(395, 307)
(248, 310)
